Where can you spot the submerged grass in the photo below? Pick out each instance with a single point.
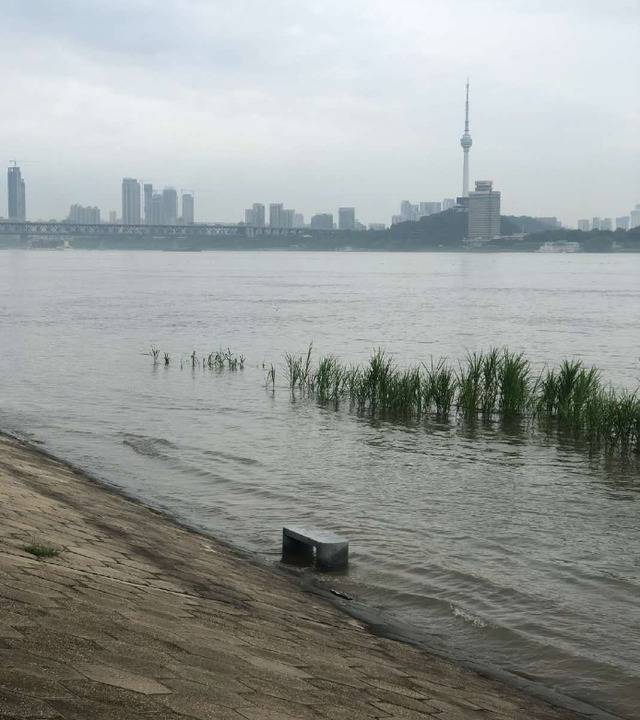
(298, 370)
(498, 384)
(220, 360)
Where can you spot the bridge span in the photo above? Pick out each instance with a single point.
(65, 230)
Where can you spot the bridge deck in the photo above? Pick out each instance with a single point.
(55, 229)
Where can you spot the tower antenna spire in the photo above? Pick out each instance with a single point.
(466, 143)
(466, 110)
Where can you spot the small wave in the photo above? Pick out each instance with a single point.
(468, 617)
(161, 448)
(228, 456)
(149, 446)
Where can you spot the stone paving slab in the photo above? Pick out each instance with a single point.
(137, 617)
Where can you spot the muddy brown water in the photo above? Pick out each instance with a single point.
(512, 548)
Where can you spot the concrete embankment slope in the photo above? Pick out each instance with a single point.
(140, 618)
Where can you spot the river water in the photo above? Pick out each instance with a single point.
(515, 550)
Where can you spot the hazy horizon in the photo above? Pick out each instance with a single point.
(323, 105)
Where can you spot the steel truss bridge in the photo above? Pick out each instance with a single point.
(64, 230)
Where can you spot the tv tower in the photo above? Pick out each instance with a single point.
(466, 143)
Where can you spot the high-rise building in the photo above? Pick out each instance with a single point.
(584, 225)
(429, 208)
(622, 223)
(113, 217)
(322, 221)
(448, 203)
(484, 211)
(84, 215)
(595, 223)
(249, 217)
(16, 194)
(346, 218)
(634, 218)
(258, 214)
(157, 210)
(606, 224)
(408, 211)
(298, 220)
(287, 218)
(466, 143)
(169, 206)
(275, 215)
(130, 201)
(397, 219)
(147, 190)
(187, 209)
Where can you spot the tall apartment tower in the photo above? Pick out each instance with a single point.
(408, 211)
(155, 211)
(484, 211)
(16, 194)
(169, 206)
(187, 209)
(147, 192)
(584, 225)
(346, 218)
(622, 223)
(634, 218)
(466, 143)
(130, 201)
(429, 208)
(287, 218)
(276, 212)
(258, 214)
(84, 215)
(322, 221)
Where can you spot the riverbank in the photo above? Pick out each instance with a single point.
(138, 617)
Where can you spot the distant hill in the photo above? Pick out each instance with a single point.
(448, 229)
(444, 230)
(516, 224)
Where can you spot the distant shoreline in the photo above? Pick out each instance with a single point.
(441, 232)
(488, 250)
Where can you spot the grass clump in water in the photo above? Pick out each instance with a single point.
(220, 360)
(440, 387)
(514, 384)
(470, 386)
(271, 377)
(299, 369)
(498, 384)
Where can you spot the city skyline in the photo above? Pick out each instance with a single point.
(370, 111)
(140, 204)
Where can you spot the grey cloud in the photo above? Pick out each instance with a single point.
(324, 103)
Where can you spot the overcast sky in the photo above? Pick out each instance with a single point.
(322, 103)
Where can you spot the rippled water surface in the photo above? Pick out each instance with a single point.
(517, 550)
